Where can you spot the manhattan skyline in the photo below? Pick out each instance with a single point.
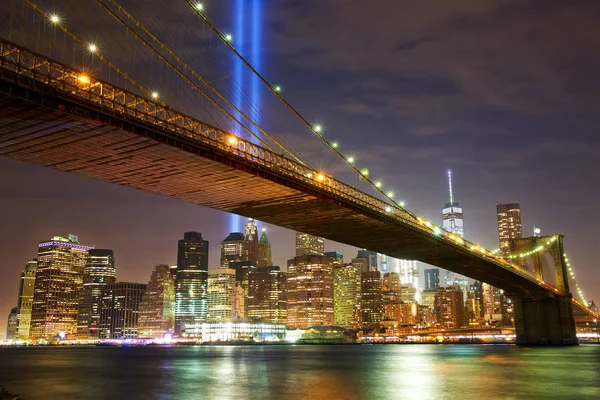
(428, 101)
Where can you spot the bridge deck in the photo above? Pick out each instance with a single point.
(62, 130)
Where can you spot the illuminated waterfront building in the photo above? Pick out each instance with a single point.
(267, 295)
(58, 280)
(509, 224)
(232, 249)
(391, 283)
(432, 278)
(309, 291)
(265, 257)
(250, 247)
(371, 300)
(346, 295)
(474, 305)
(401, 314)
(12, 325)
(235, 331)
(307, 245)
(119, 314)
(450, 308)
(98, 272)
(191, 281)
(221, 294)
(157, 308)
(25, 301)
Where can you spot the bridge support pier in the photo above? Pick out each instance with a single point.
(544, 321)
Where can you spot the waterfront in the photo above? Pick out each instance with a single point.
(308, 372)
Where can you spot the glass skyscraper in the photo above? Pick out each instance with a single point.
(346, 295)
(25, 302)
(307, 245)
(191, 282)
(58, 281)
(157, 309)
(452, 213)
(509, 224)
(119, 313)
(98, 272)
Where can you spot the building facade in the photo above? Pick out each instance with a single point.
(221, 294)
(346, 295)
(157, 308)
(432, 278)
(58, 280)
(267, 295)
(119, 314)
(265, 256)
(309, 245)
(250, 248)
(98, 272)
(12, 326)
(309, 291)
(191, 283)
(25, 302)
(509, 224)
(371, 302)
(450, 308)
(232, 249)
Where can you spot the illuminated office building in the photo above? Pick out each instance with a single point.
(221, 294)
(58, 280)
(336, 258)
(371, 257)
(452, 221)
(12, 325)
(432, 278)
(119, 313)
(450, 308)
(391, 283)
(309, 291)
(267, 295)
(157, 309)
(308, 245)
(409, 272)
(232, 249)
(346, 295)
(25, 301)
(361, 263)
(98, 272)
(191, 282)
(250, 247)
(265, 256)
(509, 224)
(371, 300)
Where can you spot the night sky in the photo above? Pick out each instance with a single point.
(505, 93)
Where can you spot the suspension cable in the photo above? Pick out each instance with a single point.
(188, 68)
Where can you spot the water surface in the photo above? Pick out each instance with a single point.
(303, 372)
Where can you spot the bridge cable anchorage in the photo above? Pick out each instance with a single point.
(195, 74)
(276, 90)
(56, 20)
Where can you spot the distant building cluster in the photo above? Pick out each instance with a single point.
(71, 291)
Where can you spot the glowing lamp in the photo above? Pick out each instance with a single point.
(232, 140)
(83, 79)
(155, 95)
(320, 177)
(55, 19)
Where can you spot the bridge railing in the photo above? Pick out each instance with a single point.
(60, 77)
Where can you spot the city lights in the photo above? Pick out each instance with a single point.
(232, 140)
(199, 7)
(318, 128)
(155, 95)
(228, 37)
(92, 48)
(83, 79)
(55, 19)
(320, 177)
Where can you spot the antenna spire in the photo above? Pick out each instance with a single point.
(450, 186)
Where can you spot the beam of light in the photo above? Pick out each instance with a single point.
(255, 57)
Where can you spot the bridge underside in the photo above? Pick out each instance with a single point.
(64, 133)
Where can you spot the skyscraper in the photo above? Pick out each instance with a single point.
(450, 308)
(25, 302)
(309, 291)
(452, 213)
(267, 295)
(221, 294)
(432, 278)
(452, 221)
(371, 300)
(336, 258)
(191, 282)
(265, 257)
(371, 258)
(307, 245)
(98, 272)
(157, 308)
(409, 272)
(509, 224)
(12, 326)
(346, 295)
(56, 293)
(119, 313)
(250, 248)
(232, 249)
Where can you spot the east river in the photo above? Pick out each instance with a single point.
(303, 372)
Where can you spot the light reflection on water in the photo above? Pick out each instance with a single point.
(303, 372)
